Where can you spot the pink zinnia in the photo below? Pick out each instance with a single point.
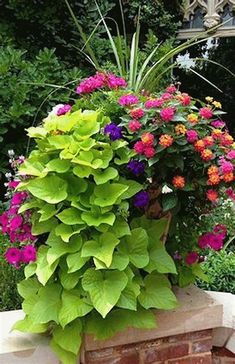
(226, 167)
(231, 154)
(152, 103)
(137, 113)
(134, 125)
(166, 96)
(139, 147)
(191, 258)
(115, 82)
(127, 100)
(149, 152)
(218, 124)
(28, 254)
(206, 112)
(16, 222)
(167, 113)
(216, 241)
(171, 89)
(191, 136)
(230, 193)
(13, 256)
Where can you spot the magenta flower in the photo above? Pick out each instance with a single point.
(166, 96)
(225, 166)
(115, 82)
(230, 193)
(231, 154)
(13, 256)
(18, 198)
(218, 124)
(191, 258)
(206, 112)
(16, 222)
(171, 89)
(127, 100)
(191, 136)
(29, 254)
(13, 184)
(91, 84)
(153, 103)
(4, 219)
(220, 229)
(64, 109)
(167, 113)
(216, 242)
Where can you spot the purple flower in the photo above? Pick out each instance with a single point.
(13, 256)
(136, 167)
(64, 109)
(114, 131)
(141, 199)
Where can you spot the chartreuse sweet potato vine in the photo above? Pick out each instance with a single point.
(98, 270)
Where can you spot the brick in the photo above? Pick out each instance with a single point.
(223, 352)
(190, 336)
(130, 359)
(164, 352)
(193, 359)
(202, 346)
(107, 360)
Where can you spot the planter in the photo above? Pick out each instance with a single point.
(184, 335)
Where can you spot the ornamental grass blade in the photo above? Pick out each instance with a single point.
(83, 35)
(134, 57)
(205, 79)
(125, 35)
(113, 45)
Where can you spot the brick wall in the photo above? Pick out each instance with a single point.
(190, 348)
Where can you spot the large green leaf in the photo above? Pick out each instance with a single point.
(160, 260)
(48, 305)
(120, 227)
(75, 262)
(44, 270)
(51, 189)
(87, 124)
(69, 338)
(58, 165)
(128, 298)
(66, 357)
(69, 280)
(28, 325)
(60, 248)
(70, 216)
(60, 141)
(66, 231)
(157, 293)
(103, 176)
(104, 287)
(107, 194)
(41, 227)
(135, 247)
(96, 218)
(73, 306)
(133, 187)
(36, 132)
(28, 287)
(33, 168)
(46, 212)
(118, 320)
(102, 248)
(82, 171)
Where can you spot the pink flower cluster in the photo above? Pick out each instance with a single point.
(225, 166)
(64, 109)
(214, 239)
(128, 100)
(100, 80)
(18, 228)
(167, 113)
(230, 193)
(153, 103)
(191, 136)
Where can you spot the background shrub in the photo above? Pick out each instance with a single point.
(9, 277)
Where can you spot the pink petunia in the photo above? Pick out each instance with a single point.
(191, 258)
(13, 256)
(29, 254)
(127, 100)
(16, 222)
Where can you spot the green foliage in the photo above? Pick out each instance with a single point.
(220, 269)
(24, 87)
(93, 261)
(9, 277)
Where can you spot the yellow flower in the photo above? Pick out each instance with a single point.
(180, 129)
(217, 104)
(192, 118)
(233, 145)
(209, 99)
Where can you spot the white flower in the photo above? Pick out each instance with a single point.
(185, 62)
(11, 153)
(55, 109)
(166, 189)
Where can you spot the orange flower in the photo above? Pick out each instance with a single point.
(192, 118)
(217, 133)
(212, 195)
(213, 170)
(207, 155)
(199, 145)
(165, 140)
(226, 140)
(147, 139)
(228, 177)
(214, 179)
(208, 140)
(180, 129)
(178, 182)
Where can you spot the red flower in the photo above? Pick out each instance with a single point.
(134, 125)
(137, 113)
(212, 195)
(178, 182)
(149, 152)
